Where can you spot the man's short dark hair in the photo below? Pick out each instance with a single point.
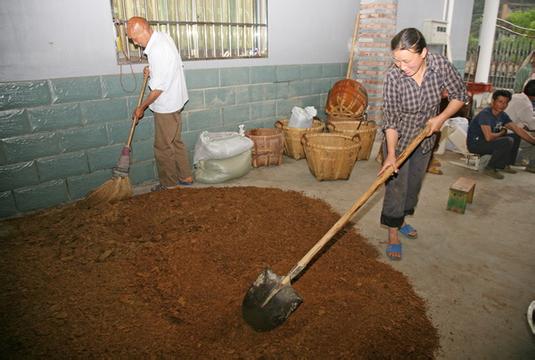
(504, 93)
(529, 89)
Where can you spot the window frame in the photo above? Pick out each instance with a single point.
(209, 38)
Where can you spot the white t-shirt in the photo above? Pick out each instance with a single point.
(520, 110)
(166, 74)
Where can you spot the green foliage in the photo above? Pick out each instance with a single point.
(524, 19)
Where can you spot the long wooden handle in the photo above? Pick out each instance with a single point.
(352, 51)
(134, 119)
(360, 201)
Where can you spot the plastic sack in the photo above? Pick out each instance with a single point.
(220, 170)
(456, 141)
(220, 145)
(302, 118)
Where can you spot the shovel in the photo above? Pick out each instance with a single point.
(271, 299)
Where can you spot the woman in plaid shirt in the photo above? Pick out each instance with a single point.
(411, 100)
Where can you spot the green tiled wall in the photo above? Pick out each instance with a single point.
(60, 138)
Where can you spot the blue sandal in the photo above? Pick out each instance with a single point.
(408, 231)
(393, 248)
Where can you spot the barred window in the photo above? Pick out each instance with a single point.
(201, 29)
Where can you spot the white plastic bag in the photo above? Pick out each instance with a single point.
(220, 145)
(302, 118)
(456, 141)
(219, 170)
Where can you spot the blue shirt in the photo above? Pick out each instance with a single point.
(485, 117)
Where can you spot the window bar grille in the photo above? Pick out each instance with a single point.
(221, 35)
(178, 30)
(243, 42)
(230, 43)
(189, 31)
(126, 44)
(259, 44)
(239, 30)
(205, 31)
(170, 28)
(239, 22)
(213, 30)
(140, 52)
(248, 46)
(195, 30)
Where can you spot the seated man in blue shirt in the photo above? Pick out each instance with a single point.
(487, 134)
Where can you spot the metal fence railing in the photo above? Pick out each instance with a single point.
(512, 46)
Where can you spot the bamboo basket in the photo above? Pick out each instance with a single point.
(268, 146)
(331, 156)
(347, 97)
(292, 137)
(366, 132)
(338, 117)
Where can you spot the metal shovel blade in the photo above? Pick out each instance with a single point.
(268, 303)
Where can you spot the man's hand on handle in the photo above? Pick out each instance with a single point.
(139, 111)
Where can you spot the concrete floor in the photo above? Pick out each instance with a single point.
(476, 270)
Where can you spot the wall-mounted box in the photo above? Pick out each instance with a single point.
(435, 32)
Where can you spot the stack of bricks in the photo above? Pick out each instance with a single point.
(377, 25)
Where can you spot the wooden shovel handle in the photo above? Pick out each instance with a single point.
(360, 201)
(134, 119)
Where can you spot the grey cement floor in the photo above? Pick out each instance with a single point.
(476, 270)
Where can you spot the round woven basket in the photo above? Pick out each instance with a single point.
(268, 146)
(292, 137)
(338, 117)
(331, 156)
(347, 97)
(366, 132)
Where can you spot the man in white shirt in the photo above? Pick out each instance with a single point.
(166, 100)
(525, 73)
(521, 110)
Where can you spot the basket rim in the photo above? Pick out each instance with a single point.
(277, 131)
(359, 131)
(346, 114)
(316, 123)
(370, 122)
(353, 145)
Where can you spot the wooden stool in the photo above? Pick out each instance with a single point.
(461, 193)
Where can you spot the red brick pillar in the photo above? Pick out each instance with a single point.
(372, 53)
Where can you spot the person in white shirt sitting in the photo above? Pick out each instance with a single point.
(521, 110)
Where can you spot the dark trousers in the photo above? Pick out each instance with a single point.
(402, 190)
(504, 150)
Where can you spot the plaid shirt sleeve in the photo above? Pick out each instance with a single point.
(454, 83)
(392, 102)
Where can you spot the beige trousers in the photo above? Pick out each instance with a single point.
(170, 152)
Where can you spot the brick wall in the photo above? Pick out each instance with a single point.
(60, 138)
(372, 56)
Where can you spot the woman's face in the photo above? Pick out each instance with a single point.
(408, 61)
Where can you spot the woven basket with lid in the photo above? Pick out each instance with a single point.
(347, 97)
